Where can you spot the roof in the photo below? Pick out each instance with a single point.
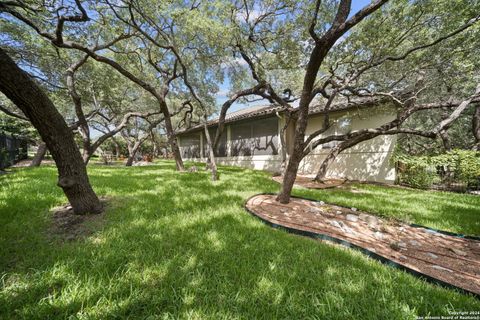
(259, 111)
(251, 112)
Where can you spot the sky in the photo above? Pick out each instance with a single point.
(224, 88)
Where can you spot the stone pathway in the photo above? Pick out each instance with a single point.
(449, 259)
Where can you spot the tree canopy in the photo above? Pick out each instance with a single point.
(163, 63)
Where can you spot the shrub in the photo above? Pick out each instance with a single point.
(453, 167)
(416, 172)
(463, 164)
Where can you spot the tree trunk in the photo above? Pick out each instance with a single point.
(476, 127)
(295, 158)
(83, 128)
(319, 52)
(155, 149)
(317, 56)
(39, 109)
(172, 138)
(131, 153)
(283, 142)
(447, 144)
(130, 160)
(39, 155)
(322, 171)
(211, 153)
(133, 149)
(155, 145)
(87, 154)
(289, 179)
(117, 148)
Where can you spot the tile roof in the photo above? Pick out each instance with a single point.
(258, 111)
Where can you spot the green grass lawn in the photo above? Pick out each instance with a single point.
(176, 245)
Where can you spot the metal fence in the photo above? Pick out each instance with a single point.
(12, 150)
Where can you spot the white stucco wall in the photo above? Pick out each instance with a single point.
(367, 161)
(263, 162)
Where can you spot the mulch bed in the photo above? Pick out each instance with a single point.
(450, 259)
(67, 226)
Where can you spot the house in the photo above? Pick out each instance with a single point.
(251, 139)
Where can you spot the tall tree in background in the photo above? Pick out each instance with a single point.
(85, 92)
(342, 23)
(114, 102)
(116, 36)
(443, 55)
(317, 53)
(333, 72)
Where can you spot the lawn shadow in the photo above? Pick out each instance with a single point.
(180, 246)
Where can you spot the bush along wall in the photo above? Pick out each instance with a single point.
(456, 170)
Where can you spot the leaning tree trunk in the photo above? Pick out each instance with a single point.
(132, 151)
(476, 127)
(294, 160)
(322, 171)
(211, 153)
(87, 154)
(317, 56)
(171, 136)
(39, 155)
(447, 143)
(130, 160)
(283, 142)
(39, 109)
(155, 145)
(332, 155)
(172, 139)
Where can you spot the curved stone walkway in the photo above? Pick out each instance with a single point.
(445, 259)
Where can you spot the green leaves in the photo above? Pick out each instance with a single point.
(421, 171)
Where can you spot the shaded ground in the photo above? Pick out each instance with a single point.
(179, 246)
(67, 226)
(450, 259)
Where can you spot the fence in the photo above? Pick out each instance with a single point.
(12, 150)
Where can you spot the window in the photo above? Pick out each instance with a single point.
(222, 145)
(255, 137)
(190, 145)
(344, 125)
